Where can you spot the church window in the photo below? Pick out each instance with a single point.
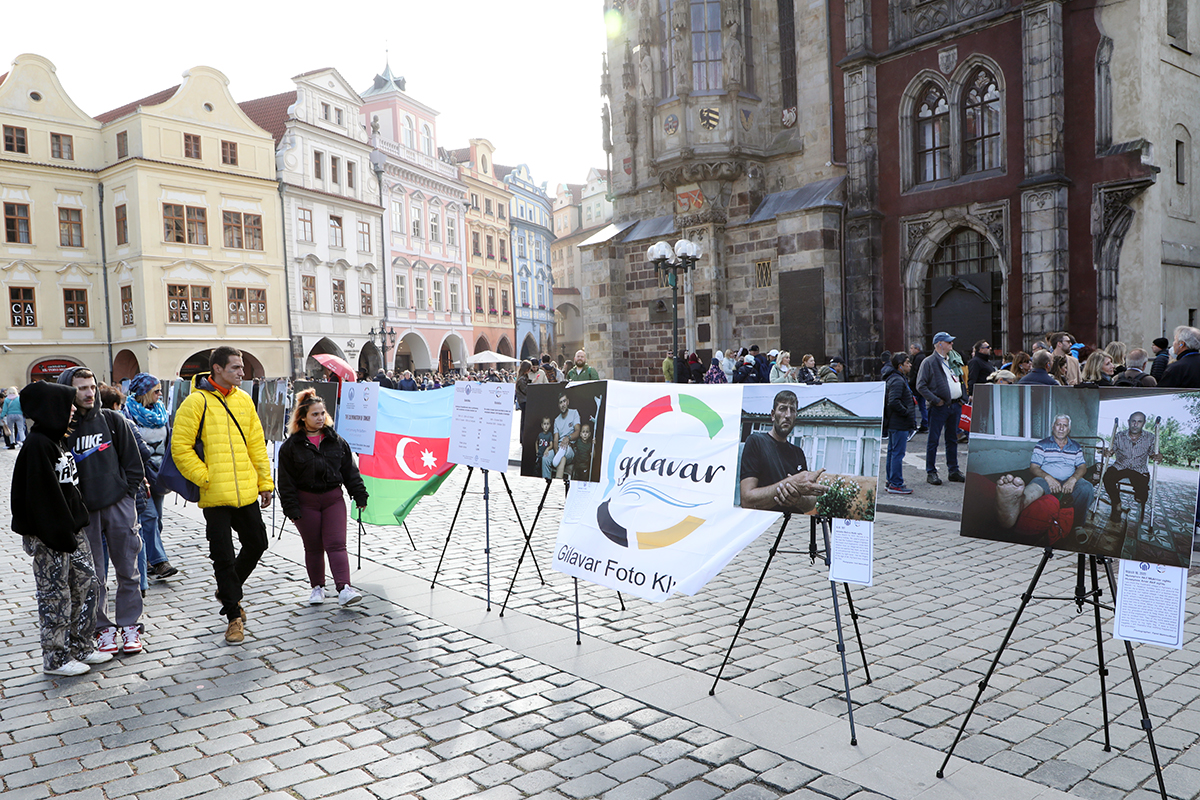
(981, 123)
(707, 64)
(931, 146)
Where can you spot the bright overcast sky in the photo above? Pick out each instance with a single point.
(536, 97)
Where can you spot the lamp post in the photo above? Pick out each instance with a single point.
(378, 165)
(670, 260)
(386, 336)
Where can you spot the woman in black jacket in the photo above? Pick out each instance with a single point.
(314, 463)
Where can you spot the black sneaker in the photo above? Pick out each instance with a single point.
(957, 477)
(932, 477)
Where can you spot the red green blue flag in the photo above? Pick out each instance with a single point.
(412, 439)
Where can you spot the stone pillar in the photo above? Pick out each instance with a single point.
(1044, 257)
(1045, 283)
(862, 270)
(1042, 51)
(605, 311)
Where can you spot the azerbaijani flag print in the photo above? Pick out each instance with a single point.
(412, 438)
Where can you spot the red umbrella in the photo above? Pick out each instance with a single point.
(336, 365)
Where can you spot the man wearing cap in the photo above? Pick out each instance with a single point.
(1162, 357)
(943, 393)
(832, 372)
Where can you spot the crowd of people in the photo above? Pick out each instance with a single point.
(750, 365)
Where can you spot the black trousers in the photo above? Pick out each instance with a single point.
(1140, 482)
(232, 570)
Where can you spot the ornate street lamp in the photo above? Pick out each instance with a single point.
(670, 260)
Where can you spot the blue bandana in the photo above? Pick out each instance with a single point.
(153, 417)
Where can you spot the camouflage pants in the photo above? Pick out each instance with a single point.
(66, 595)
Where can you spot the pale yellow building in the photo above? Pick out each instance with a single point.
(189, 254)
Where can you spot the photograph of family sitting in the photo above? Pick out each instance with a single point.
(563, 432)
(1108, 472)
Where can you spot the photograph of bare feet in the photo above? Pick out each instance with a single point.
(1112, 472)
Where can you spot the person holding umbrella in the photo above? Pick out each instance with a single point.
(314, 464)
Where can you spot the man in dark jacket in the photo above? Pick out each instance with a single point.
(383, 380)
(48, 512)
(980, 366)
(762, 365)
(1039, 375)
(110, 473)
(899, 419)
(1162, 357)
(943, 392)
(1185, 372)
(1134, 374)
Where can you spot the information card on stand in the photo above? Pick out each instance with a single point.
(852, 543)
(356, 416)
(1150, 603)
(481, 431)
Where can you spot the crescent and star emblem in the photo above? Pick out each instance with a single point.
(427, 459)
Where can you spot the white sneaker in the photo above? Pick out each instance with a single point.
(317, 597)
(96, 657)
(131, 639)
(106, 640)
(348, 596)
(70, 669)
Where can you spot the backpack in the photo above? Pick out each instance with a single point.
(170, 479)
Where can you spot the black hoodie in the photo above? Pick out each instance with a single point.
(106, 453)
(46, 502)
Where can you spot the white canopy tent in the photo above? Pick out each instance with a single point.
(491, 357)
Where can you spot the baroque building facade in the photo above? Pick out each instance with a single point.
(424, 198)
(137, 239)
(529, 214)
(580, 210)
(488, 255)
(331, 220)
(1016, 168)
(717, 119)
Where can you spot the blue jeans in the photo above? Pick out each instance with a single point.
(922, 408)
(1081, 496)
(150, 516)
(897, 447)
(548, 468)
(16, 424)
(944, 417)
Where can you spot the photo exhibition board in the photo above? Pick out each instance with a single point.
(658, 513)
(1109, 472)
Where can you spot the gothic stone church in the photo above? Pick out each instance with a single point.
(861, 174)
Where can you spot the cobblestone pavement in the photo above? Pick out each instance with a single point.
(422, 692)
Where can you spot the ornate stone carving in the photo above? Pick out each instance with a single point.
(918, 18)
(604, 76)
(734, 55)
(631, 126)
(628, 79)
(1104, 95)
(681, 30)
(646, 72)
(696, 171)
(710, 215)
(947, 60)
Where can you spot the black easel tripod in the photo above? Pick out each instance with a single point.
(837, 615)
(528, 544)
(1082, 597)
(487, 527)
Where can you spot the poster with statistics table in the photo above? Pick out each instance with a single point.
(481, 430)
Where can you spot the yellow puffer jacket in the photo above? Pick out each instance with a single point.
(232, 473)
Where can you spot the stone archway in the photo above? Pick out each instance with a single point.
(529, 347)
(412, 353)
(125, 366)
(324, 346)
(504, 347)
(481, 344)
(452, 355)
(922, 237)
(370, 359)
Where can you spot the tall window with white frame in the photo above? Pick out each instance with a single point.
(427, 140)
(437, 295)
(707, 61)
(417, 228)
(402, 292)
(366, 298)
(419, 299)
(397, 217)
(981, 123)
(435, 221)
(931, 146)
(453, 297)
(364, 236)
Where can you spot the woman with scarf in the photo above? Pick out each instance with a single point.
(145, 408)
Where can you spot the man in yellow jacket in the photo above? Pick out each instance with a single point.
(234, 476)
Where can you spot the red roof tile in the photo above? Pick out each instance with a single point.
(461, 155)
(129, 108)
(270, 113)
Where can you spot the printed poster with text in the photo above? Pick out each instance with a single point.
(659, 518)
